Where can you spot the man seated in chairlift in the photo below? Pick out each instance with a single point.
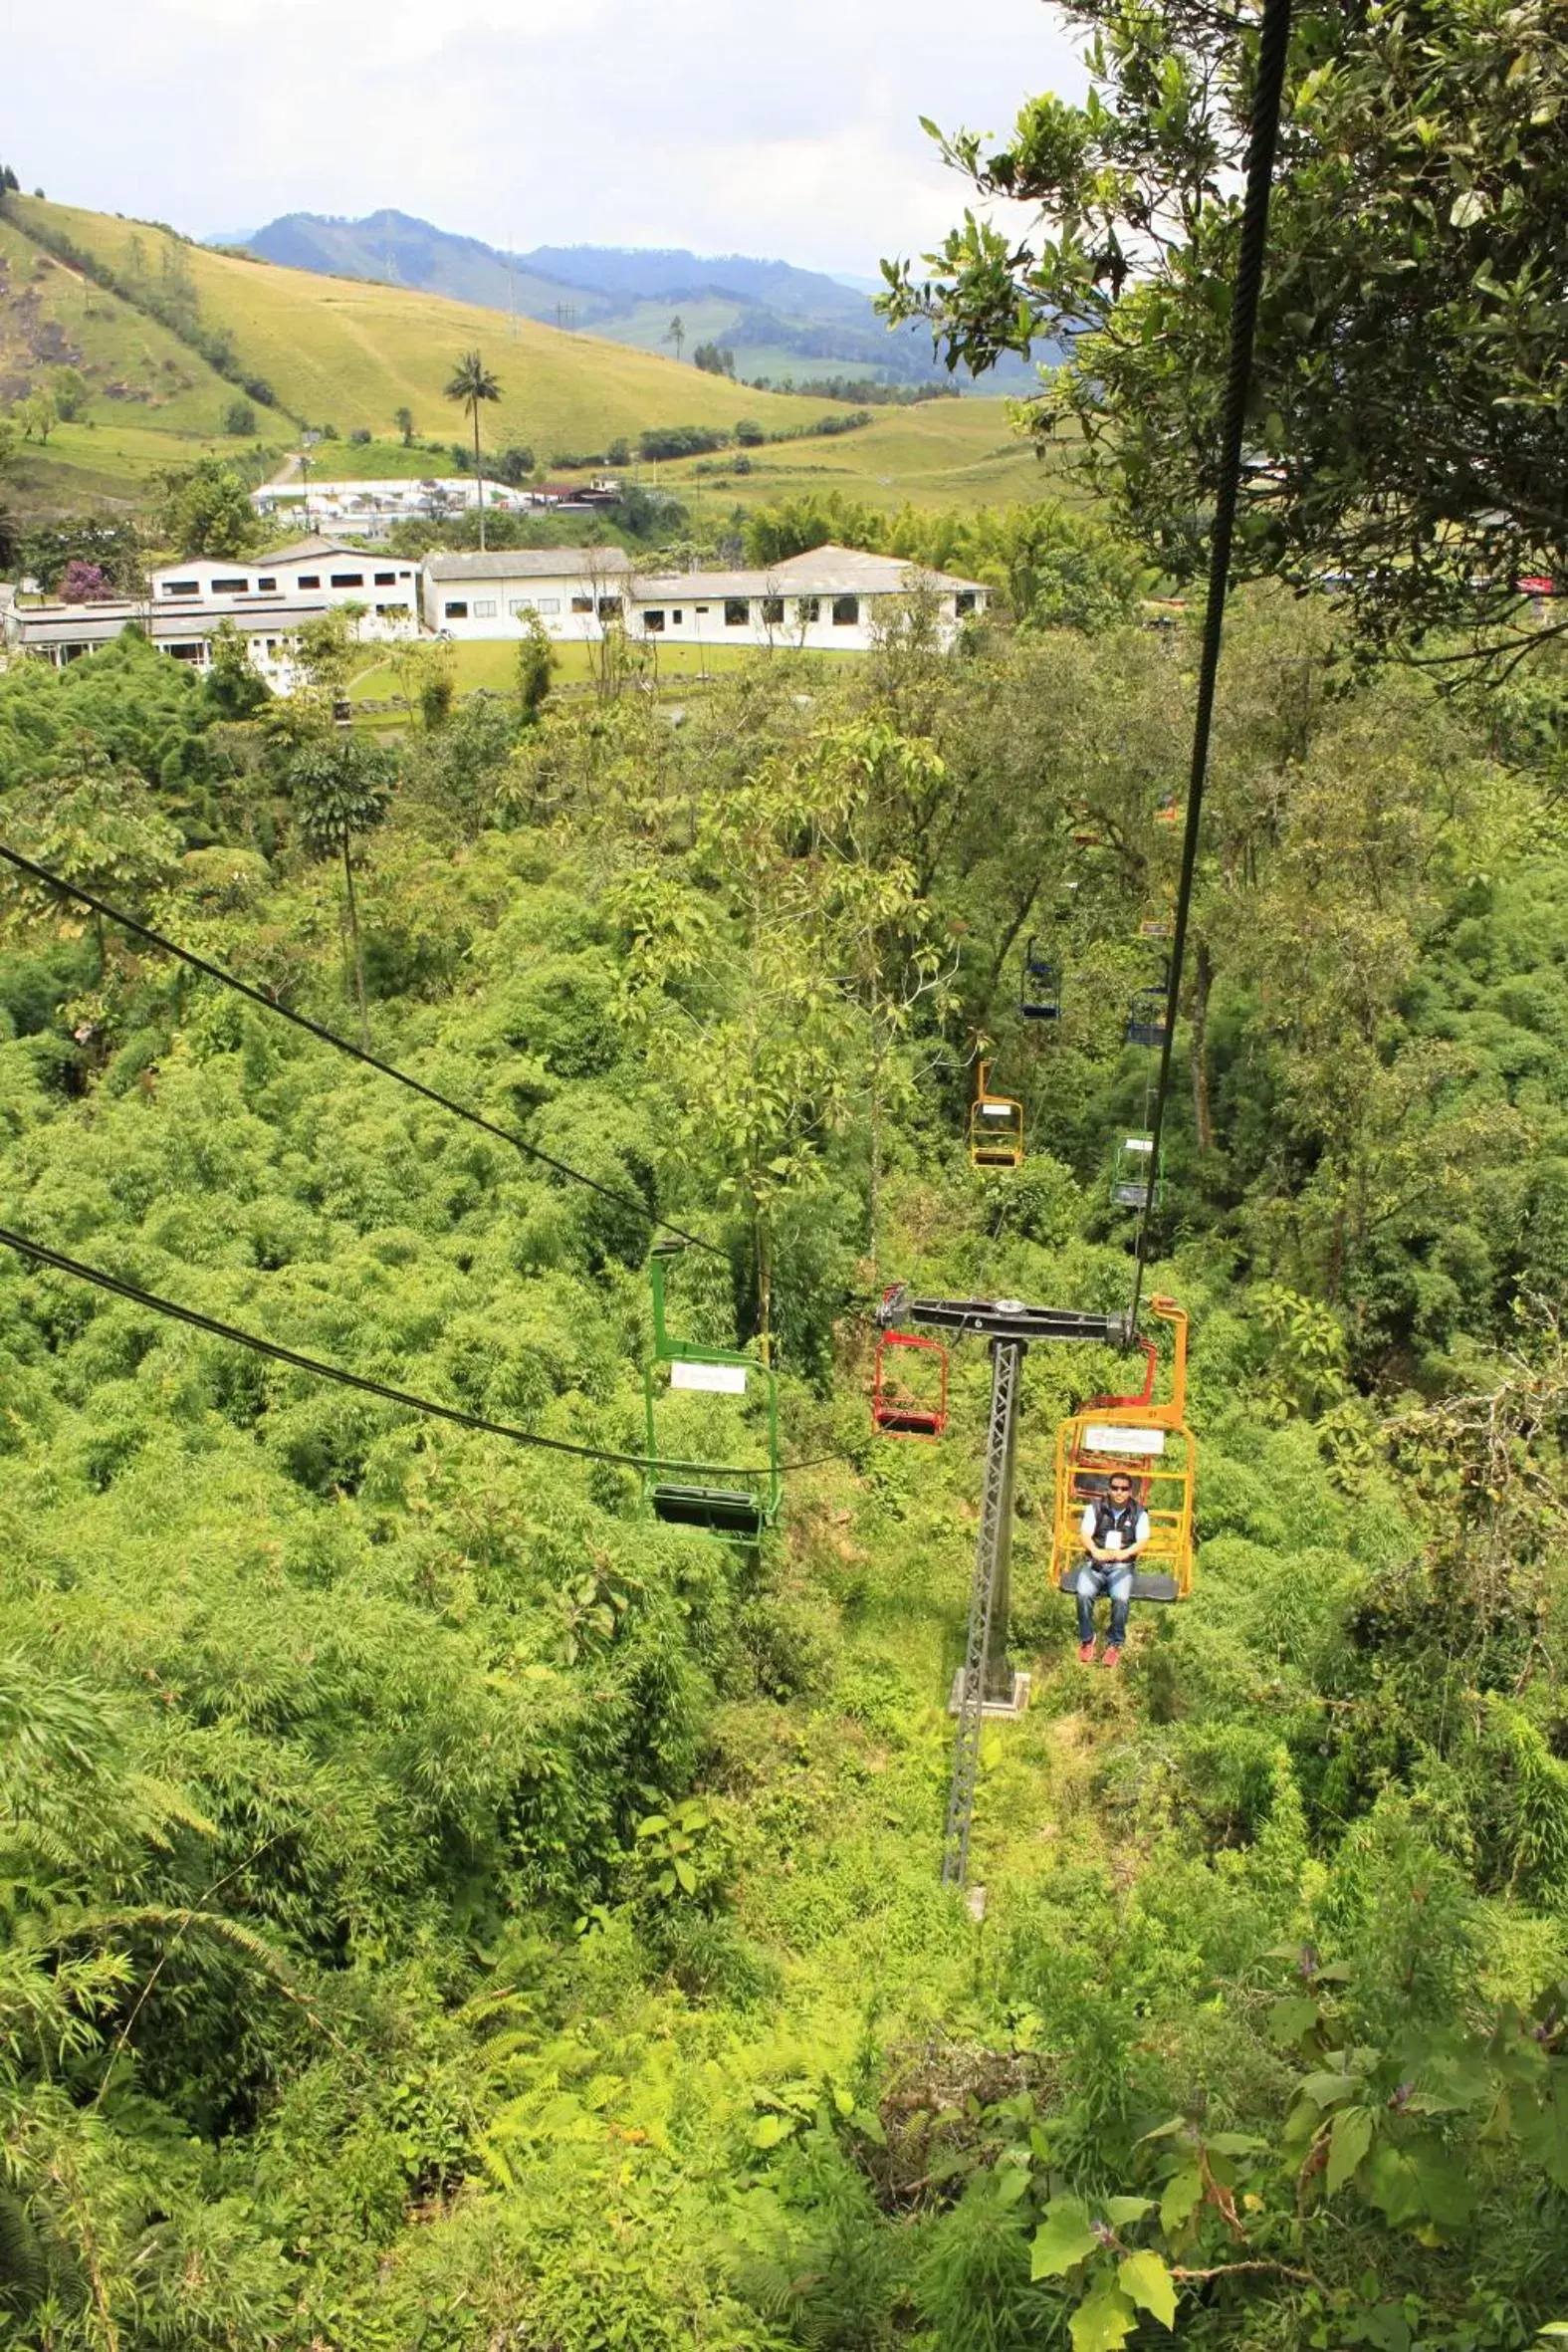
(1115, 1529)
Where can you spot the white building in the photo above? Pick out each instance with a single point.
(827, 600)
(313, 570)
(573, 590)
(61, 633)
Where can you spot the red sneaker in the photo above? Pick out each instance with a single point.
(1086, 1653)
(1112, 1657)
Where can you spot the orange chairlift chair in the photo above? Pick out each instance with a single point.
(996, 1128)
(909, 1388)
(1153, 1444)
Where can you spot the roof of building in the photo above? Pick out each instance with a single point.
(81, 624)
(298, 550)
(828, 568)
(523, 563)
(821, 572)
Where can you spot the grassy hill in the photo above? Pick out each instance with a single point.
(781, 322)
(350, 353)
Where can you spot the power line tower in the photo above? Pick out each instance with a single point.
(986, 1682)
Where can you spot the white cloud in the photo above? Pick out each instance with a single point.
(715, 123)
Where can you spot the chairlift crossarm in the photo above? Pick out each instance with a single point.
(1002, 1319)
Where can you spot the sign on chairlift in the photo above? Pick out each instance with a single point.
(996, 1110)
(1110, 1436)
(718, 1379)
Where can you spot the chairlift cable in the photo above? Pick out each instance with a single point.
(103, 1280)
(1273, 52)
(330, 1037)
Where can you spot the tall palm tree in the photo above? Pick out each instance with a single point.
(472, 384)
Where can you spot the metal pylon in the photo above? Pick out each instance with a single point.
(988, 1676)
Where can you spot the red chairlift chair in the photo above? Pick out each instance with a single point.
(896, 1410)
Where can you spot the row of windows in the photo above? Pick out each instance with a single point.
(484, 607)
(266, 584)
(738, 613)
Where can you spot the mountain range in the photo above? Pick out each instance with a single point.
(780, 323)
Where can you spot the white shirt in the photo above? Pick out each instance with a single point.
(1113, 1535)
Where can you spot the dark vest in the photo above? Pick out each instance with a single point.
(1124, 1520)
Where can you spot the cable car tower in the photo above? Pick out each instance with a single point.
(986, 1682)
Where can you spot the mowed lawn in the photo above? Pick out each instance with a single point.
(491, 669)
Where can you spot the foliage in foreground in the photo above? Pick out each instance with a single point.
(443, 1906)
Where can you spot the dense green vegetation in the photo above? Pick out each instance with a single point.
(443, 1906)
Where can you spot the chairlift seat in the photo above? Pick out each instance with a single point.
(894, 1411)
(1147, 1584)
(1041, 998)
(721, 1511)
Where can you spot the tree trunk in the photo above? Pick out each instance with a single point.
(359, 959)
(1197, 1032)
(480, 479)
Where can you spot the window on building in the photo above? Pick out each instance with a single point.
(262, 586)
(736, 613)
(807, 608)
(231, 588)
(393, 612)
(182, 587)
(846, 611)
(309, 579)
(701, 611)
(388, 578)
(609, 608)
(518, 605)
(272, 648)
(196, 653)
(550, 604)
(347, 580)
(653, 625)
(484, 607)
(773, 612)
(454, 612)
(676, 619)
(582, 604)
(964, 603)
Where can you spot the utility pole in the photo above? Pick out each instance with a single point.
(986, 1682)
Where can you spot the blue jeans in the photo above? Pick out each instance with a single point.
(1095, 1578)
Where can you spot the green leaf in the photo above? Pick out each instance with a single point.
(1104, 2322)
(686, 1874)
(1011, 2182)
(1145, 2278)
(1182, 2193)
(1326, 2090)
(769, 2130)
(1063, 2238)
(844, 2101)
(1290, 2019)
(1348, 2142)
(1418, 2184)
(1119, 2211)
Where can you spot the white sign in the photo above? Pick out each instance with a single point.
(1109, 1438)
(720, 1380)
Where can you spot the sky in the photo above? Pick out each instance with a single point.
(726, 126)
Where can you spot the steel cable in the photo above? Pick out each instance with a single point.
(1272, 51)
(330, 1037)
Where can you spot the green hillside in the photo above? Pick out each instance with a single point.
(339, 351)
(447, 1905)
(150, 398)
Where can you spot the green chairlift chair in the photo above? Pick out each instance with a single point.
(750, 1500)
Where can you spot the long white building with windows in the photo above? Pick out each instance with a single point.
(827, 600)
(573, 591)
